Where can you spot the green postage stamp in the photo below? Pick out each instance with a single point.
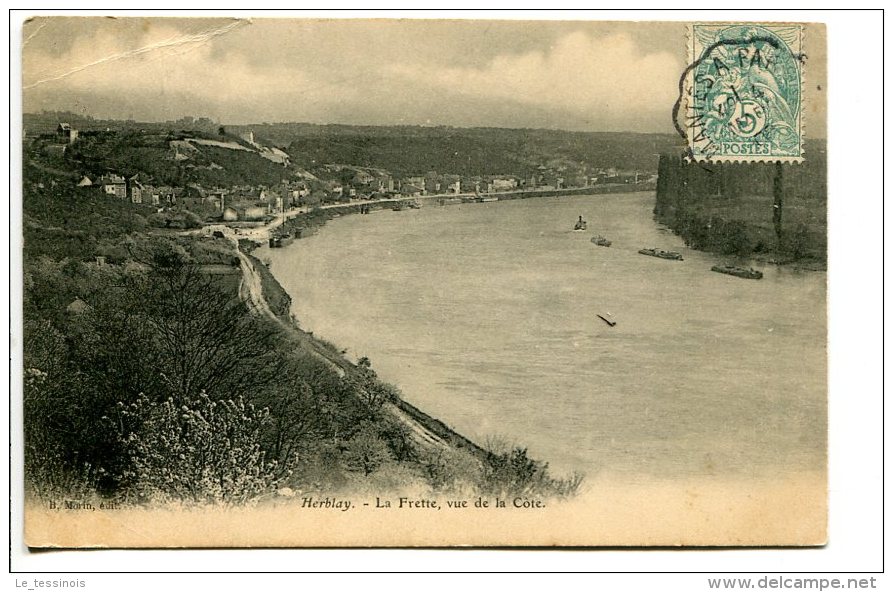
(742, 93)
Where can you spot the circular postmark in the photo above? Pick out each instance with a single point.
(741, 97)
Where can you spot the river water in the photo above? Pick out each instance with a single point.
(485, 316)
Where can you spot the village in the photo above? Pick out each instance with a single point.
(323, 185)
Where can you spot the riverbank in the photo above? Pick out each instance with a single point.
(305, 224)
(443, 458)
(430, 430)
(770, 213)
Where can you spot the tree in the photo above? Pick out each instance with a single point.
(298, 416)
(366, 451)
(207, 339)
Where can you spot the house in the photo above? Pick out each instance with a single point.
(410, 190)
(77, 307)
(216, 198)
(254, 213)
(85, 182)
(419, 182)
(134, 189)
(248, 214)
(151, 195)
(230, 214)
(66, 134)
(384, 183)
(273, 201)
(113, 184)
(504, 184)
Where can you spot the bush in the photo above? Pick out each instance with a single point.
(512, 472)
(366, 451)
(179, 219)
(201, 451)
(452, 470)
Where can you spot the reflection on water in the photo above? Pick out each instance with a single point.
(485, 316)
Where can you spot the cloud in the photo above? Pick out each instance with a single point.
(601, 77)
(106, 50)
(240, 72)
(160, 63)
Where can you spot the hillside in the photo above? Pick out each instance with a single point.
(400, 150)
(174, 158)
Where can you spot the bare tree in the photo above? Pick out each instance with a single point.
(207, 340)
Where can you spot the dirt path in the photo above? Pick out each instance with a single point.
(420, 435)
(251, 292)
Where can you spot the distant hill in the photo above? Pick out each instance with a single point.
(131, 146)
(46, 122)
(163, 156)
(464, 151)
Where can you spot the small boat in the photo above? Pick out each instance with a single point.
(749, 274)
(600, 241)
(672, 255)
(398, 207)
(581, 224)
(608, 321)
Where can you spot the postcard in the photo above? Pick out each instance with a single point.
(298, 282)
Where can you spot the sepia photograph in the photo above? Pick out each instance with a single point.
(382, 282)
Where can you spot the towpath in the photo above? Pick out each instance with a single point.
(251, 292)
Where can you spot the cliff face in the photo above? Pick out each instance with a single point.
(764, 210)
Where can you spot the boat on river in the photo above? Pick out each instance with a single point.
(608, 321)
(600, 241)
(748, 274)
(580, 225)
(672, 255)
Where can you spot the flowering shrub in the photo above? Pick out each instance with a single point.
(202, 451)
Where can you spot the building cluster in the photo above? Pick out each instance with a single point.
(330, 183)
(257, 202)
(134, 189)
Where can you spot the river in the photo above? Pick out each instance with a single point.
(485, 316)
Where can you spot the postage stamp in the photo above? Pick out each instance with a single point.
(742, 93)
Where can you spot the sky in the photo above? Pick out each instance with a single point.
(574, 75)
